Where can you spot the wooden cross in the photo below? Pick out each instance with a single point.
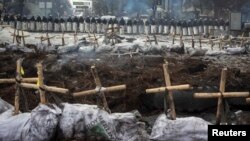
(173, 40)
(193, 42)
(19, 38)
(42, 87)
(75, 37)
(46, 38)
(99, 89)
(93, 38)
(242, 40)
(221, 95)
(200, 41)
(168, 92)
(63, 38)
(18, 80)
(27, 83)
(111, 34)
(148, 40)
(181, 40)
(220, 43)
(212, 44)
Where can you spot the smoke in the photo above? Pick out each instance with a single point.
(246, 12)
(136, 6)
(189, 9)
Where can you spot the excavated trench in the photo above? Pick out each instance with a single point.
(72, 71)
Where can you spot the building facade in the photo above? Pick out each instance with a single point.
(82, 7)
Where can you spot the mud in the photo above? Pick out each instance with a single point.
(72, 71)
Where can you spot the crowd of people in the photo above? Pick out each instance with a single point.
(122, 26)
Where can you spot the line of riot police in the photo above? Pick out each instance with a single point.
(130, 26)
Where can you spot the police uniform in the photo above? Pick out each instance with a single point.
(122, 26)
(69, 24)
(32, 24)
(93, 25)
(81, 24)
(50, 24)
(39, 24)
(129, 27)
(98, 25)
(45, 23)
(87, 25)
(63, 25)
(75, 24)
(56, 25)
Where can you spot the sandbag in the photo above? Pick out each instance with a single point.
(128, 127)
(4, 106)
(39, 125)
(6, 110)
(81, 121)
(181, 129)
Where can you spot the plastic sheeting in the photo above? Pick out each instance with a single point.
(39, 125)
(83, 121)
(181, 129)
(4, 106)
(6, 110)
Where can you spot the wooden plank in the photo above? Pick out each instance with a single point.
(46, 88)
(225, 95)
(41, 83)
(17, 94)
(220, 99)
(99, 85)
(12, 80)
(170, 98)
(93, 92)
(170, 88)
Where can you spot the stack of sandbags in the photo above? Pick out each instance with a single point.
(181, 129)
(85, 122)
(39, 125)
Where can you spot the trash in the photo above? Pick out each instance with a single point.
(39, 125)
(83, 121)
(181, 129)
(234, 51)
(128, 127)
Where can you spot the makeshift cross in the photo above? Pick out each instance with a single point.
(151, 40)
(193, 42)
(99, 89)
(75, 37)
(46, 38)
(63, 38)
(173, 40)
(168, 92)
(111, 34)
(17, 37)
(93, 39)
(200, 41)
(42, 87)
(26, 83)
(17, 80)
(221, 95)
